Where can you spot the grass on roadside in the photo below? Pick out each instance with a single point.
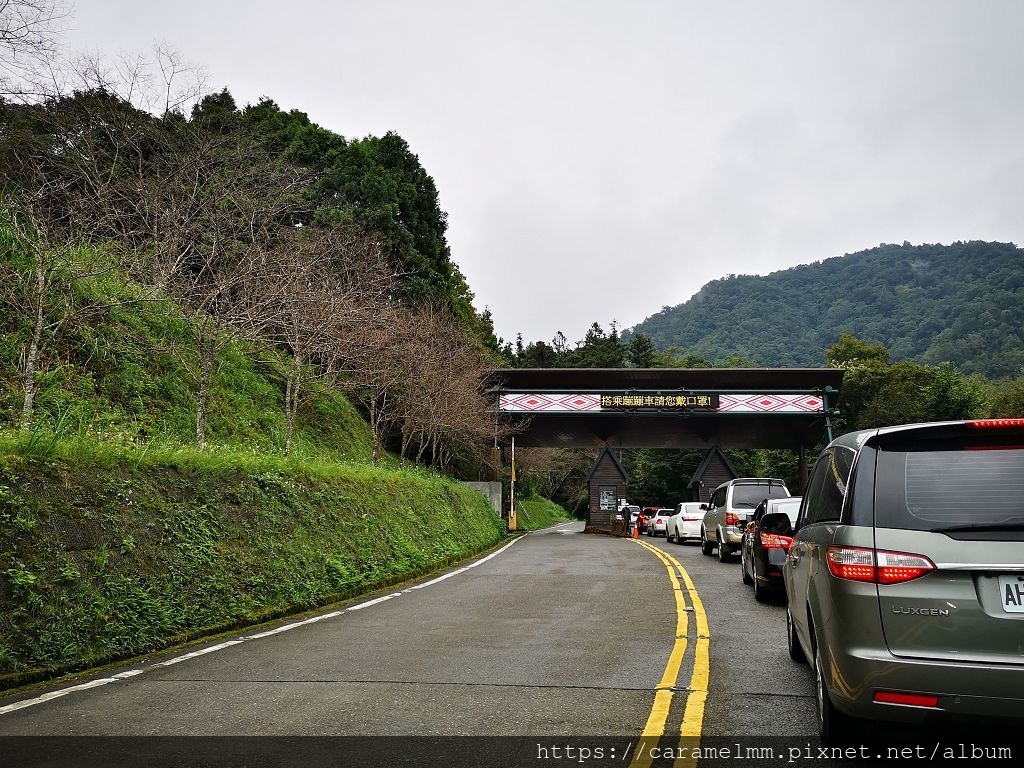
(536, 512)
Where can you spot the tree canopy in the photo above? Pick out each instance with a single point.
(962, 303)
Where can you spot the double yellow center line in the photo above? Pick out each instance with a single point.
(697, 690)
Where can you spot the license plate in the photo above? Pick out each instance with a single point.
(1011, 592)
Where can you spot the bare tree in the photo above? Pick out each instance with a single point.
(335, 284)
(92, 168)
(34, 68)
(441, 408)
(40, 279)
(379, 376)
(56, 166)
(29, 34)
(213, 252)
(555, 471)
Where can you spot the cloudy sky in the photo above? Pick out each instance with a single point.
(599, 160)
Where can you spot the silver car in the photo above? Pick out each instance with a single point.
(730, 509)
(905, 578)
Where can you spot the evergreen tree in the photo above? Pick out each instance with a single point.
(640, 352)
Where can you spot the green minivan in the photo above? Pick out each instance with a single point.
(905, 579)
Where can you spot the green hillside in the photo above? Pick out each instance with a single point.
(119, 369)
(962, 303)
(118, 536)
(109, 554)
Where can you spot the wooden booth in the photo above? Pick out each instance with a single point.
(712, 472)
(607, 482)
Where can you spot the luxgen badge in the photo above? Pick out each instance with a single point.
(677, 401)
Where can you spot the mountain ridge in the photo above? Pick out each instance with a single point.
(931, 303)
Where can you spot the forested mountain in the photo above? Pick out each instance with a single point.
(324, 258)
(962, 303)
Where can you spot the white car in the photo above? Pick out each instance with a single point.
(684, 524)
(657, 522)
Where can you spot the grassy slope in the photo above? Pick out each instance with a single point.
(118, 537)
(116, 556)
(536, 512)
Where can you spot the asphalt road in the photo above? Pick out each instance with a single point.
(559, 635)
(540, 639)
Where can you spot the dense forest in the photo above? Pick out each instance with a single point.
(236, 230)
(961, 303)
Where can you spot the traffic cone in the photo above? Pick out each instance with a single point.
(636, 531)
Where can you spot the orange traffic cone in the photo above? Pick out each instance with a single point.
(636, 531)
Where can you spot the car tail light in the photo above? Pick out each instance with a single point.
(731, 519)
(907, 699)
(995, 423)
(775, 541)
(876, 566)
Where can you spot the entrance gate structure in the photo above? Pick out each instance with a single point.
(684, 408)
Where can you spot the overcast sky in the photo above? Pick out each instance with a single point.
(600, 160)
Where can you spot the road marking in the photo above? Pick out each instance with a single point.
(50, 695)
(55, 694)
(375, 601)
(464, 568)
(286, 627)
(200, 652)
(693, 715)
(693, 718)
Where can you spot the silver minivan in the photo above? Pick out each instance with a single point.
(905, 578)
(730, 509)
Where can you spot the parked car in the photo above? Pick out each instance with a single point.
(656, 523)
(642, 520)
(766, 541)
(684, 524)
(729, 510)
(906, 575)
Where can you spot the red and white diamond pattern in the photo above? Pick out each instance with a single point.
(549, 403)
(769, 404)
(765, 403)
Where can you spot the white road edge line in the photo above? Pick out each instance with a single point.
(55, 694)
(375, 601)
(200, 652)
(294, 624)
(49, 696)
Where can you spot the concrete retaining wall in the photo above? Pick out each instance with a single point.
(492, 490)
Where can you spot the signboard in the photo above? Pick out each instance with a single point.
(628, 401)
(681, 401)
(607, 497)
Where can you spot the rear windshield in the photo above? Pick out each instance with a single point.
(930, 490)
(791, 508)
(752, 495)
